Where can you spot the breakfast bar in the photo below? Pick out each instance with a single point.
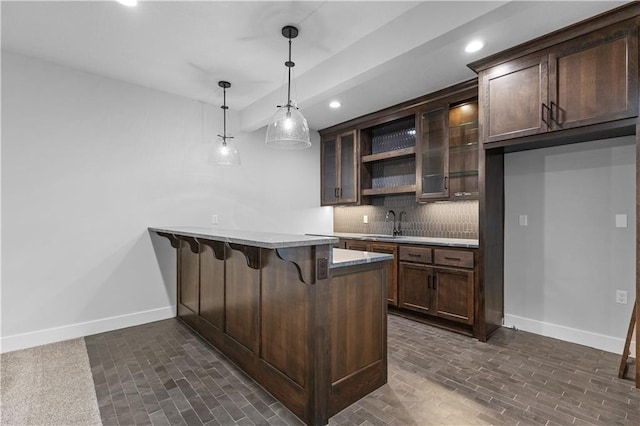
(304, 320)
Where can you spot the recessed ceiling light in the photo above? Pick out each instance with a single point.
(474, 46)
(334, 104)
(129, 3)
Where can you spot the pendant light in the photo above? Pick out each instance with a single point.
(288, 129)
(225, 152)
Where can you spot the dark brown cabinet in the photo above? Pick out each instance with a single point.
(415, 287)
(594, 78)
(447, 149)
(392, 268)
(432, 153)
(339, 169)
(388, 163)
(441, 291)
(587, 80)
(453, 290)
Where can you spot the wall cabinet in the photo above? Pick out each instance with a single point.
(339, 169)
(388, 163)
(587, 80)
(447, 149)
(427, 146)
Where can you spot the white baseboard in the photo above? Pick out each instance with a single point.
(73, 331)
(581, 337)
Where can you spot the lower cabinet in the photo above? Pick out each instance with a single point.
(392, 269)
(425, 286)
(439, 282)
(415, 288)
(453, 294)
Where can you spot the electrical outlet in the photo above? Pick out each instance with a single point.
(523, 220)
(365, 219)
(214, 219)
(621, 221)
(621, 297)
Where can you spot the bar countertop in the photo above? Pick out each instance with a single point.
(251, 238)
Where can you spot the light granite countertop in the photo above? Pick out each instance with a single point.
(250, 238)
(445, 242)
(342, 258)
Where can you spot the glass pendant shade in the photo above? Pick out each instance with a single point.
(225, 153)
(288, 129)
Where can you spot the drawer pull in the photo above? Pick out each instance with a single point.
(457, 259)
(414, 255)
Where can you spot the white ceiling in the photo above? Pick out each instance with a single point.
(367, 54)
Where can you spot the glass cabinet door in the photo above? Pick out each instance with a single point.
(329, 172)
(339, 169)
(432, 155)
(463, 150)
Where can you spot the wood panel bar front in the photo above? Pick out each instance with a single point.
(314, 337)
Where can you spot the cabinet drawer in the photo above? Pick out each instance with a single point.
(415, 254)
(462, 259)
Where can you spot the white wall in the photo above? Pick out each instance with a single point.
(563, 269)
(88, 163)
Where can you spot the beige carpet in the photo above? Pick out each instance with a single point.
(48, 385)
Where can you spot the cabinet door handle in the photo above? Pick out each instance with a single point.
(429, 281)
(543, 107)
(453, 258)
(339, 192)
(555, 117)
(445, 182)
(335, 192)
(435, 280)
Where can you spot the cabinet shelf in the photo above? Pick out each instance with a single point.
(468, 123)
(470, 146)
(463, 173)
(404, 152)
(405, 189)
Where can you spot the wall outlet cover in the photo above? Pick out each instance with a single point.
(214, 219)
(523, 220)
(621, 221)
(621, 297)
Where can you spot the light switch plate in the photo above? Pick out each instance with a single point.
(365, 219)
(621, 221)
(524, 219)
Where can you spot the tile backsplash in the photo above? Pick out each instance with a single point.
(441, 219)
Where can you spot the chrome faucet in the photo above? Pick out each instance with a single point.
(399, 231)
(395, 230)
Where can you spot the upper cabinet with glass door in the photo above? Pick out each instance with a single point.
(339, 169)
(463, 150)
(447, 149)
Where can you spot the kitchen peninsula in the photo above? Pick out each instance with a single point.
(306, 321)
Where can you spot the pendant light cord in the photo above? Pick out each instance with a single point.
(224, 85)
(290, 64)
